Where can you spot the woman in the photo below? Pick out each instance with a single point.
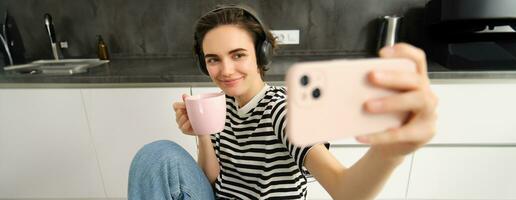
(252, 158)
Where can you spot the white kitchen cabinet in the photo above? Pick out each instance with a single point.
(78, 143)
(46, 149)
(464, 173)
(395, 188)
(123, 120)
(476, 113)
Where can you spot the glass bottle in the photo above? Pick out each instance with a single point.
(102, 49)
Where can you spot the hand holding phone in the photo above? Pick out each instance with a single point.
(326, 99)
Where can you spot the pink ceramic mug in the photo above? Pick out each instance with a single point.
(206, 112)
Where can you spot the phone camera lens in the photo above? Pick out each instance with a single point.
(316, 93)
(304, 80)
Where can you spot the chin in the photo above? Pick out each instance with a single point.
(231, 91)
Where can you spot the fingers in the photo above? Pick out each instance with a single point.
(184, 97)
(182, 120)
(404, 102)
(403, 50)
(390, 136)
(422, 102)
(180, 110)
(181, 105)
(178, 105)
(187, 128)
(413, 132)
(395, 80)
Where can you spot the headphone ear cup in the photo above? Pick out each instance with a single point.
(201, 63)
(199, 57)
(264, 53)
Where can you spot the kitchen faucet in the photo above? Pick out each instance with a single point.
(5, 40)
(5, 45)
(49, 25)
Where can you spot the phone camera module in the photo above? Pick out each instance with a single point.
(316, 93)
(304, 80)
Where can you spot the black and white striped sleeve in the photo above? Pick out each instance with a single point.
(215, 140)
(279, 122)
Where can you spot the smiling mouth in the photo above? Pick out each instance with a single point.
(231, 82)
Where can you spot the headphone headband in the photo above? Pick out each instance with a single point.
(246, 9)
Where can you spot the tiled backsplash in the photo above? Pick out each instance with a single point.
(164, 28)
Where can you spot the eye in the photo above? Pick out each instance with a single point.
(212, 60)
(238, 55)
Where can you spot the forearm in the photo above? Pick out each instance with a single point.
(366, 178)
(206, 158)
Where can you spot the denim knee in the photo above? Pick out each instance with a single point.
(158, 153)
(163, 149)
(164, 169)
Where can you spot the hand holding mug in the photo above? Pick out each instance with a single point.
(182, 120)
(202, 114)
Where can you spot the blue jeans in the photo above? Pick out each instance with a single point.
(163, 170)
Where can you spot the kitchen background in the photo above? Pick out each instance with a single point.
(164, 28)
(74, 136)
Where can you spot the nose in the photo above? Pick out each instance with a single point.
(228, 67)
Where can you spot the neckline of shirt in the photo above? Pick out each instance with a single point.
(244, 110)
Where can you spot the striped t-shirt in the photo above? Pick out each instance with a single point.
(256, 159)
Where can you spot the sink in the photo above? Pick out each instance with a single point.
(56, 67)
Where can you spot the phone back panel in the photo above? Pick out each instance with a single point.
(342, 89)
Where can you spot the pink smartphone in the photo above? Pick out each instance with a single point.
(326, 99)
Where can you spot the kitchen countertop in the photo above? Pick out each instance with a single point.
(183, 72)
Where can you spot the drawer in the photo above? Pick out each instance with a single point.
(463, 173)
(476, 113)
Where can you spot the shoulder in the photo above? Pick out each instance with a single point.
(277, 93)
(278, 98)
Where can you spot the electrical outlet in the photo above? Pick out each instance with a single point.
(286, 36)
(63, 44)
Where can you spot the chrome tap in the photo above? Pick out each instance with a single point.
(49, 25)
(7, 50)
(5, 40)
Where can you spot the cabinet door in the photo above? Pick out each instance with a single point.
(476, 113)
(395, 188)
(463, 173)
(45, 146)
(123, 120)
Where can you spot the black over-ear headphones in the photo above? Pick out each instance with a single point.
(263, 45)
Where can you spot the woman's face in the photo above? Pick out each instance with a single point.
(231, 60)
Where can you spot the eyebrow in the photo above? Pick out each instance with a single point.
(230, 52)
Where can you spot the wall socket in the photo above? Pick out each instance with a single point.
(286, 36)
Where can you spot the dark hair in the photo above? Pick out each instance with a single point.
(233, 16)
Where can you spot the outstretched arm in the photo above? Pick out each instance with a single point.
(365, 179)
